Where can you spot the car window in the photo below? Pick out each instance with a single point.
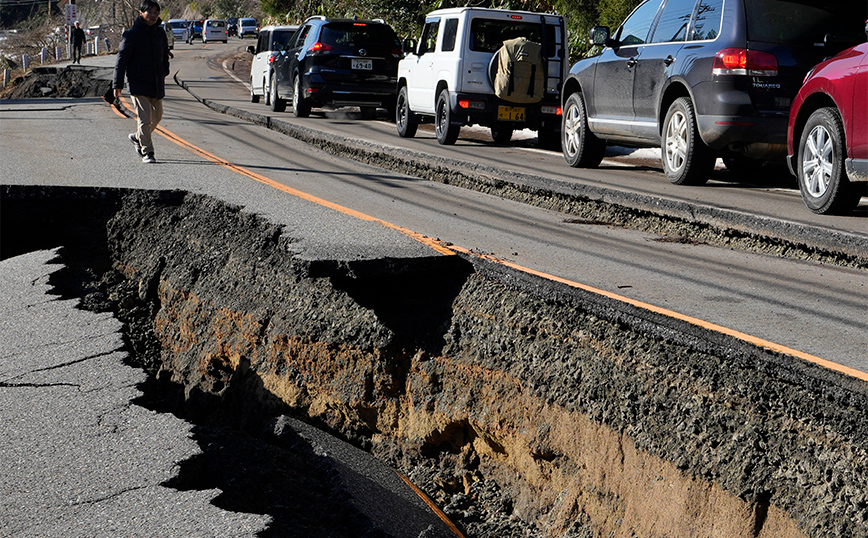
(281, 39)
(428, 43)
(299, 37)
(634, 31)
(707, 22)
(488, 35)
(262, 42)
(791, 22)
(673, 22)
(357, 34)
(450, 32)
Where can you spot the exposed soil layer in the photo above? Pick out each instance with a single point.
(522, 407)
(70, 81)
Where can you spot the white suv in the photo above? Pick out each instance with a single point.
(271, 40)
(450, 74)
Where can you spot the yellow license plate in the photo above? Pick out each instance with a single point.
(510, 113)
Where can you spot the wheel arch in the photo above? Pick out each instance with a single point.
(811, 104)
(571, 86)
(672, 92)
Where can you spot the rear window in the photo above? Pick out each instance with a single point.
(281, 39)
(216, 24)
(793, 22)
(248, 22)
(358, 34)
(488, 35)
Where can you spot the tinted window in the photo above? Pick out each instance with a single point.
(634, 31)
(707, 24)
(299, 37)
(357, 34)
(428, 43)
(281, 39)
(488, 35)
(450, 32)
(799, 22)
(179, 24)
(673, 22)
(262, 42)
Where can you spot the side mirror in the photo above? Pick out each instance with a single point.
(251, 49)
(600, 35)
(409, 46)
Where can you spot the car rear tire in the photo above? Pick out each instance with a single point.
(581, 148)
(300, 106)
(253, 97)
(501, 134)
(686, 158)
(405, 120)
(275, 102)
(823, 179)
(447, 133)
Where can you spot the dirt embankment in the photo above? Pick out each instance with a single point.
(523, 408)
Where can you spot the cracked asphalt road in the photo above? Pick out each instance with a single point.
(78, 457)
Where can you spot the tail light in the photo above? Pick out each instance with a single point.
(745, 62)
(468, 104)
(319, 48)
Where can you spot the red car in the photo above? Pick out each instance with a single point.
(827, 136)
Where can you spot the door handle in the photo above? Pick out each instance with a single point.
(668, 61)
(632, 62)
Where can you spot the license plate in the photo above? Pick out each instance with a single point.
(366, 65)
(510, 113)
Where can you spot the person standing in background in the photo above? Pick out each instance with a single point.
(78, 39)
(143, 58)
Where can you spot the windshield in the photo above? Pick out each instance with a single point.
(488, 35)
(179, 24)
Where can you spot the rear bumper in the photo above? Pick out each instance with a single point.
(757, 136)
(328, 92)
(482, 109)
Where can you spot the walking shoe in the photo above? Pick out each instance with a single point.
(149, 158)
(135, 141)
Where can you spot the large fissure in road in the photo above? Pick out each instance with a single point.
(521, 406)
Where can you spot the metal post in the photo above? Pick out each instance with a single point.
(7, 76)
(107, 46)
(43, 56)
(58, 53)
(25, 61)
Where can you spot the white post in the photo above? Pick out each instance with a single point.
(43, 56)
(58, 53)
(25, 61)
(107, 46)
(7, 76)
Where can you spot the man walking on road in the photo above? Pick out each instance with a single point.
(77, 42)
(143, 57)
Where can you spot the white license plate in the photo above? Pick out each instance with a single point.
(366, 65)
(510, 113)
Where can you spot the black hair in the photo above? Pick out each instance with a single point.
(147, 5)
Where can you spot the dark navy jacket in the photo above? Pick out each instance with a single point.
(143, 57)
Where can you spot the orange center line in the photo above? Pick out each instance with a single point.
(452, 250)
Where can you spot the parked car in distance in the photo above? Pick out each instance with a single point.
(179, 28)
(827, 136)
(170, 35)
(247, 27)
(214, 30)
(269, 43)
(194, 30)
(701, 79)
(492, 67)
(337, 62)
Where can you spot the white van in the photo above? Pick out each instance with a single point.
(215, 30)
(179, 29)
(271, 40)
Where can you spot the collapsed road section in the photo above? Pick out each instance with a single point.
(523, 407)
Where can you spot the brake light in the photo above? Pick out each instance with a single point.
(359, 24)
(272, 57)
(516, 17)
(745, 62)
(319, 48)
(467, 104)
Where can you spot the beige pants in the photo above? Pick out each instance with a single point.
(149, 112)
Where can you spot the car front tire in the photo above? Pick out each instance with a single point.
(447, 133)
(275, 102)
(686, 158)
(253, 97)
(405, 120)
(581, 148)
(823, 180)
(300, 106)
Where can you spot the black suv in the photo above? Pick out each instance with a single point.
(701, 79)
(338, 62)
